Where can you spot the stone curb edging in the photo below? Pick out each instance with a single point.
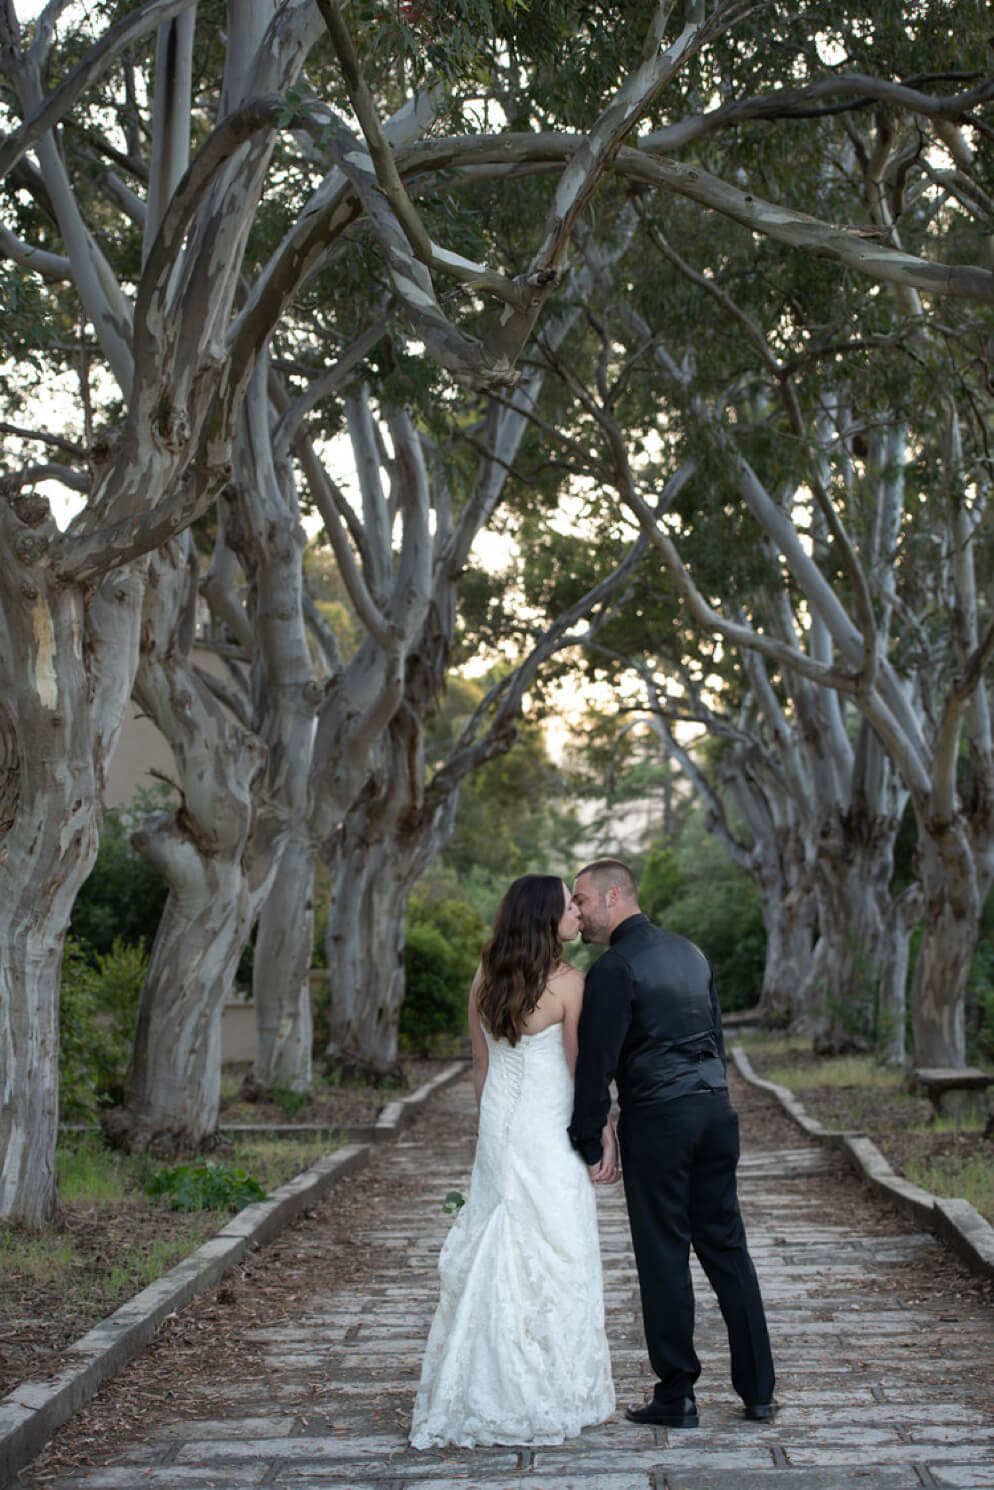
(955, 1222)
(34, 1409)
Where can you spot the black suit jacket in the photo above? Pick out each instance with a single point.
(650, 1018)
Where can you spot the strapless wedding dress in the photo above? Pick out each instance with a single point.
(517, 1351)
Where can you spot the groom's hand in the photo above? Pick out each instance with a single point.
(607, 1170)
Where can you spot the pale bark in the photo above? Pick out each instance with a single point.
(846, 804)
(280, 971)
(54, 759)
(949, 861)
(256, 780)
(201, 848)
(365, 949)
(404, 819)
(764, 780)
(400, 817)
(160, 470)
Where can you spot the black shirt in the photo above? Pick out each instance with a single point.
(650, 1016)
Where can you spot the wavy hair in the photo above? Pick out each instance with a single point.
(522, 952)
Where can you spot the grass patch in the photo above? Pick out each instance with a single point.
(974, 1123)
(771, 1045)
(965, 1176)
(42, 1259)
(274, 1161)
(947, 1156)
(89, 1173)
(839, 1071)
(138, 1266)
(113, 1240)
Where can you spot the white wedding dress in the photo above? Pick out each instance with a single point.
(517, 1352)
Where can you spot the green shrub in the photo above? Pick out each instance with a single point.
(980, 998)
(725, 921)
(444, 938)
(661, 881)
(691, 885)
(205, 1187)
(123, 897)
(289, 1100)
(98, 1013)
(434, 1000)
(80, 1037)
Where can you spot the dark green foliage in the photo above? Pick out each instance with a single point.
(980, 989)
(690, 885)
(98, 1011)
(205, 1187)
(444, 938)
(662, 881)
(985, 1036)
(80, 1038)
(124, 895)
(513, 815)
(289, 1100)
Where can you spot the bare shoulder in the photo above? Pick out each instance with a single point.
(567, 981)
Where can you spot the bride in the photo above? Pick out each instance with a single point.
(517, 1352)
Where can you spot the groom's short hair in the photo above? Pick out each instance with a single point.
(608, 872)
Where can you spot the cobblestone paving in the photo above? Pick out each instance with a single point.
(883, 1384)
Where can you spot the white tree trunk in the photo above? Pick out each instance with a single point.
(202, 849)
(29, 1046)
(953, 899)
(57, 728)
(851, 887)
(905, 913)
(789, 922)
(280, 981)
(175, 1087)
(69, 634)
(365, 951)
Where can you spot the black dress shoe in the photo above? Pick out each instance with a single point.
(679, 1412)
(759, 1412)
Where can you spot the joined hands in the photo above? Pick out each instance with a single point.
(607, 1170)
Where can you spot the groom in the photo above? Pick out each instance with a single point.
(650, 1018)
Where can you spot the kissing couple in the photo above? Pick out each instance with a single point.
(517, 1352)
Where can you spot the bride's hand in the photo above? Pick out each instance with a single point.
(607, 1169)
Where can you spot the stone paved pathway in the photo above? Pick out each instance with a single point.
(885, 1383)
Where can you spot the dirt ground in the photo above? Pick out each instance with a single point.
(897, 1122)
(40, 1315)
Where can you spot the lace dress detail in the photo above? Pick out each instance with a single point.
(517, 1351)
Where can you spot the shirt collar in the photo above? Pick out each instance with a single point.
(627, 925)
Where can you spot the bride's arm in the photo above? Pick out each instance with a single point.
(572, 997)
(481, 1056)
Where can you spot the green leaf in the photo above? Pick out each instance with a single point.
(205, 1187)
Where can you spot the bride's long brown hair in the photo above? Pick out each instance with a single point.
(517, 960)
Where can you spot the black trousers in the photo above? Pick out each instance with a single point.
(678, 1163)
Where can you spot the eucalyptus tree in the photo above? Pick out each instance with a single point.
(742, 781)
(744, 421)
(241, 750)
(72, 600)
(406, 814)
(401, 820)
(915, 685)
